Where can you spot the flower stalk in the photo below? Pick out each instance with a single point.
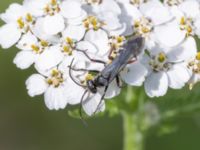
(133, 137)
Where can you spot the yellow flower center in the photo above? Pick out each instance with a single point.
(161, 57)
(89, 76)
(52, 8)
(20, 23)
(194, 64)
(40, 47)
(173, 2)
(56, 78)
(143, 27)
(68, 46)
(186, 24)
(159, 62)
(92, 22)
(25, 22)
(93, 2)
(137, 2)
(116, 42)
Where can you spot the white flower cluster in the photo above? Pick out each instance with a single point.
(63, 39)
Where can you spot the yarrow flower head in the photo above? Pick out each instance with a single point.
(76, 47)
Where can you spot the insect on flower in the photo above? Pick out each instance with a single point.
(128, 54)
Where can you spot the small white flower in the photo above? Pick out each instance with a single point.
(167, 67)
(186, 24)
(18, 21)
(57, 87)
(38, 52)
(145, 20)
(194, 68)
(100, 39)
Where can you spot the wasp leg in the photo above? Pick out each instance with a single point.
(119, 82)
(132, 60)
(102, 97)
(91, 59)
(71, 76)
(110, 57)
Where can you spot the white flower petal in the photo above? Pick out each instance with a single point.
(87, 46)
(156, 84)
(38, 30)
(24, 59)
(130, 12)
(14, 12)
(90, 105)
(49, 58)
(134, 74)
(26, 41)
(36, 7)
(185, 51)
(169, 34)
(55, 98)
(71, 9)
(9, 35)
(73, 92)
(111, 20)
(109, 6)
(77, 20)
(178, 75)
(54, 24)
(74, 32)
(113, 90)
(190, 8)
(36, 85)
(99, 39)
(156, 11)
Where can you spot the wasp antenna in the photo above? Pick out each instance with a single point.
(91, 59)
(71, 76)
(80, 110)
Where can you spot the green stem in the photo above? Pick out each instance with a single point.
(133, 137)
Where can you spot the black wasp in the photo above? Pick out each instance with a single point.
(128, 54)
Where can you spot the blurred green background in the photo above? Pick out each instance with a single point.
(26, 124)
